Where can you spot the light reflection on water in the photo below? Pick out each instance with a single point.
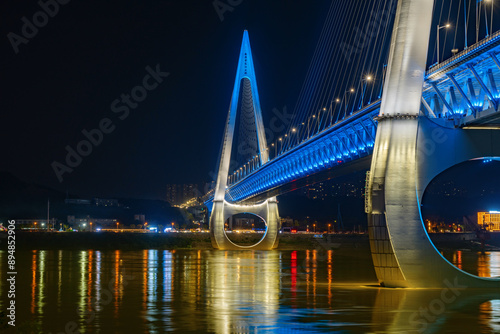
(156, 291)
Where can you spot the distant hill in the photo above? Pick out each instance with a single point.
(22, 200)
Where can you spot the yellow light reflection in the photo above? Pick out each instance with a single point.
(89, 279)
(82, 288)
(489, 316)
(457, 259)
(330, 275)
(483, 265)
(314, 272)
(59, 278)
(249, 277)
(33, 281)
(198, 276)
(144, 279)
(488, 264)
(118, 283)
(41, 282)
(98, 282)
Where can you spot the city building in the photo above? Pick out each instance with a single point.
(180, 193)
(94, 201)
(140, 218)
(92, 224)
(105, 202)
(489, 220)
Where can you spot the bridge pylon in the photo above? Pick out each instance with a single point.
(244, 100)
(409, 152)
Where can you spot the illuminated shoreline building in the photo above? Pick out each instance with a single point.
(489, 220)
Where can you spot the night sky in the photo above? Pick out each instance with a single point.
(65, 78)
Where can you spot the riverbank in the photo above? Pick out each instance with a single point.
(131, 241)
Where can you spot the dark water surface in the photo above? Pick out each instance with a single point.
(199, 291)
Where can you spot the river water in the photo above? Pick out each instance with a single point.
(205, 291)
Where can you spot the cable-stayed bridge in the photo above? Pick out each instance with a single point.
(462, 92)
(424, 123)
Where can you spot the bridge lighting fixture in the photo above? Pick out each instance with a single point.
(352, 90)
(446, 26)
(337, 100)
(293, 130)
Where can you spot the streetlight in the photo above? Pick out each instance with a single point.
(337, 101)
(294, 130)
(447, 25)
(319, 117)
(329, 228)
(368, 78)
(352, 90)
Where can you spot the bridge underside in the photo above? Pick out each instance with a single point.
(361, 164)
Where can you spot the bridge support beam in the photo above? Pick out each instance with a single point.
(402, 252)
(222, 210)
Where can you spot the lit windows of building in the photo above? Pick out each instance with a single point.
(490, 221)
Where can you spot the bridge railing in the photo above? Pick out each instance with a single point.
(470, 51)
